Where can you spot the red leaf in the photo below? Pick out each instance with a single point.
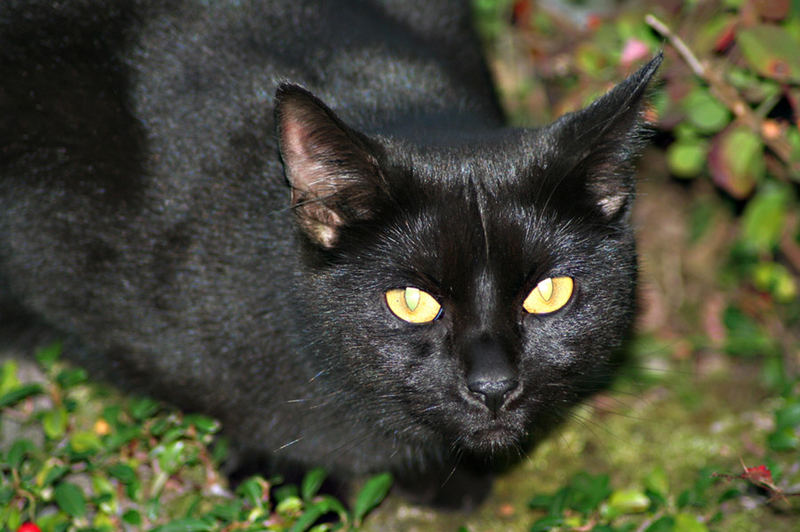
(726, 38)
(593, 21)
(760, 475)
(736, 160)
(521, 13)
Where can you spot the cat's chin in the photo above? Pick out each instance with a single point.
(492, 440)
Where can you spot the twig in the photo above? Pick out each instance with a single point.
(688, 56)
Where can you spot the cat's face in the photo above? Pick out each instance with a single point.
(467, 293)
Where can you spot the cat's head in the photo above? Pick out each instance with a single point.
(466, 290)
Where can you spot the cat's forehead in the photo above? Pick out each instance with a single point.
(455, 229)
(495, 202)
(488, 159)
(507, 177)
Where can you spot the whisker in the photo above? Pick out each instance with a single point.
(289, 444)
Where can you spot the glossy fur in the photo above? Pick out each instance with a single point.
(177, 200)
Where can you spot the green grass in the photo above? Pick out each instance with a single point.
(80, 457)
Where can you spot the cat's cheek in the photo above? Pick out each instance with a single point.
(544, 345)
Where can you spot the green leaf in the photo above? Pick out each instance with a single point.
(774, 376)
(8, 377)
(664, 524)
(229, 511)
(18, 451)
(334, 505)
(122, 436)
(729, 494)
(70, 499)
(558, 501)
(771, 51)
(203, 424)
(696, 496)
(540, 502)
(783, 439)
(71, 377)
(143, 408)
(132, 517)
(111, 413)
(587, 491)
(254, 490)
(776, 467)
(290, 506)
(687, 158)
(657, 482)
(51, 473)
(220, 449)
(745, 337)
(309, 517)
(170, 456)
(122, 472)
(373, 492)
(160, 426)
(18, 394)
(101, 485)
(777, 280)
(311, 483)
(788, 416)
(627, 502)
(46, 356)
(688, 523)
(764, 218)
(705, 112)
(54, 422)
(13, 518)
(6, 494)
(547, 523)
(85, 442)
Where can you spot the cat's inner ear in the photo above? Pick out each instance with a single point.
(605, 139)
(332, 172)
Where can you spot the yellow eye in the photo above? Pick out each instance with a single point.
(413, 305)
(549, 295)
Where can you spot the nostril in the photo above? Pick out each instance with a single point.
(494, 392)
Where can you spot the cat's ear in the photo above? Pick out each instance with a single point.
(333, 172)
(605, 139)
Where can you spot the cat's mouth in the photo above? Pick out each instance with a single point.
(495, 437)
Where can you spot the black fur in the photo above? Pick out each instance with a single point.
(145, 212)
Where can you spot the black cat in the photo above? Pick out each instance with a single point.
(394, 280)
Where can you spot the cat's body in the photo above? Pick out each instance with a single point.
(144, 210)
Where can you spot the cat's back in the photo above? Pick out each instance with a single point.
(134, 101)
(376, 61)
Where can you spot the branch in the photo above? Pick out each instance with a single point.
(726, 94)
(688, 56)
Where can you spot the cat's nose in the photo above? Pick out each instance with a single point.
(494, 392)
(490, 374)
